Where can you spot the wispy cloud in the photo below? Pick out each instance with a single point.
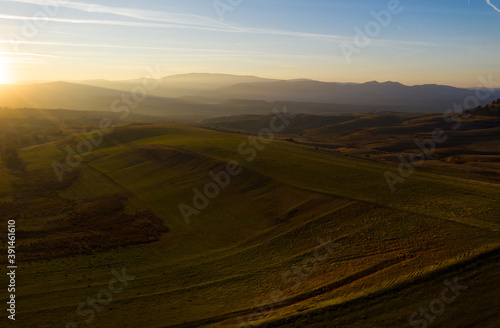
(26, 54)
(327, 37)
(26, 57)
(171, 25)
(161, 20)
(152, 19)
(111, 22)
(156, 19)
(167, 18)
(17, 60)
(115, 46)
(492, 5)
(201, 52)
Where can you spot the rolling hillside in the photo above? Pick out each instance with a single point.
(310, 236)
(471, 143)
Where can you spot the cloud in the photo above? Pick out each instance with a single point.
(171, 25)
(492, 5)
(160, 19)
(154, 19)
(12, 60)
(26, 57)
(200, 51)
(27, 54)
(182, 20)
(109, 22)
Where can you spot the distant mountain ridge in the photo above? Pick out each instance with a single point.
(427, 97)
(207, 94)
(365, 93)
(182, 85)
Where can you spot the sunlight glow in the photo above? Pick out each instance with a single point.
(4, 74)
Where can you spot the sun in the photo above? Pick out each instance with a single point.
(4, 74)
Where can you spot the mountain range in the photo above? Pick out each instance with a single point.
(208, 95)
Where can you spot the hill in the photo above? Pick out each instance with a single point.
(309, 235)
(64, 95)
(492, 109)
(135, 98)
(471, 144)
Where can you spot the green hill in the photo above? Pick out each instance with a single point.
(257, 243)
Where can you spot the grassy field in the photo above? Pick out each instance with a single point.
(469, 145)
(253, 253)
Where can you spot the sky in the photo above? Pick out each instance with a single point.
(449, 42)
